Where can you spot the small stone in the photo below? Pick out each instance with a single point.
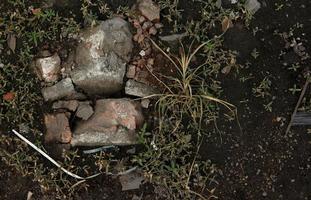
(71, 105)
(45, 53)
(60, 90)
(131, 71)
(85, 110)
(135, 88)
(131, 181)
(48, 68)
(158, 25)
(153, 31)
(149, 9)
(146, 25)
(150, 62)
(76, 96)
(131, 151)
(173, 38)
(142, 76)
(57, 128)
(69, 64)
(252, 6)
(218, 3)
(141, 19)
(145, 103)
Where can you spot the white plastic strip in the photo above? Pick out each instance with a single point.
(59, 166)
(47, 156)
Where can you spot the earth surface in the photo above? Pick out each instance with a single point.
(257, 160)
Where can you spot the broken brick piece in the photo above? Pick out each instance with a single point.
(57, 128)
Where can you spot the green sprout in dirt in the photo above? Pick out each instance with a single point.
(171, 158)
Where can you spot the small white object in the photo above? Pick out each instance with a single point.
(142, 53)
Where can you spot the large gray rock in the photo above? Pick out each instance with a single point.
(60, 90)
(101, 76)
(114, 122)
(101, 57)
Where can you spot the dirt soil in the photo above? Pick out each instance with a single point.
(257, 161)
(261, 162)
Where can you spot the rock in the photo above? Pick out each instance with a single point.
(104, 76)
(131, 181)
(218, 3)
(131, 71)
(145, 103)
(110, 35)
(131, 151)
(44, 54)
(57, 128)
(113, 123)
(62, 89)
(252, 6)
(76, 96)
(71, 105)
(173, 38)
(153, 31)
(69, 64)
(48, 68)
(85, 110)
(135, 88)
(149, 9)
(146, 25)
(101, 57)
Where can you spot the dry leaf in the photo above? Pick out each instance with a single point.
(9, 96)
(36, 11)
(11, 40)
(226, 69)
(226, 24)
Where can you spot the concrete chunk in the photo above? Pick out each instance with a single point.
(58, 91)
(149, 9)
(103, 76)
(114, 122)
(71, 105)
(135, 88)
(101, 57)
(48, 68)
(85, 110)
(57, 128)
